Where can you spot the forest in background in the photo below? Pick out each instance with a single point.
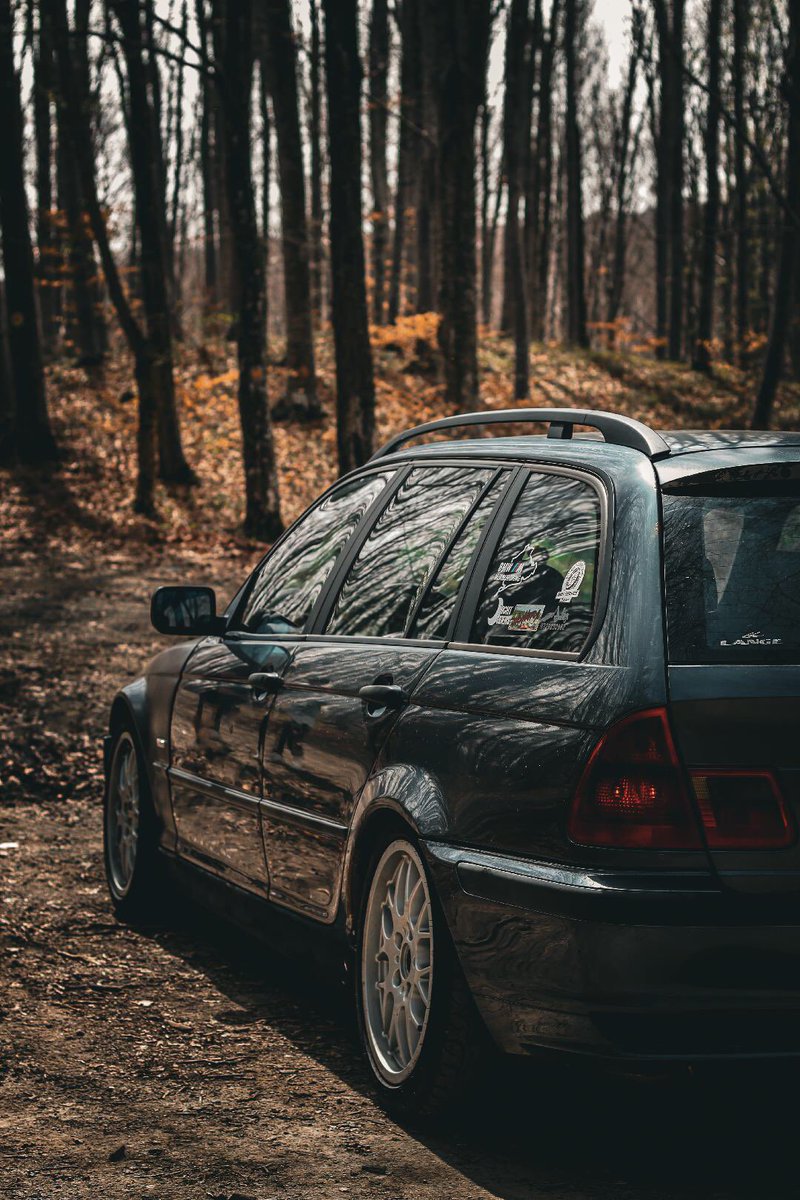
(244, 240)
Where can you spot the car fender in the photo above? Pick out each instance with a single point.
(412, 796)
(146, 705)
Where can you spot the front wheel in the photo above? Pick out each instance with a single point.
(423, 1038)
(130, 839)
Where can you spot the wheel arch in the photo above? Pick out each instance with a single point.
(398, 800)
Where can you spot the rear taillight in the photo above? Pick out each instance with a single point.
(632, 793)
(742, 810)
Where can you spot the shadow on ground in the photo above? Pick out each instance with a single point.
(537, 1127)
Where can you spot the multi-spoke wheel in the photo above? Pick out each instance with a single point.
(397, 967)
(129, 832)
(122, 815)
(419, 1027)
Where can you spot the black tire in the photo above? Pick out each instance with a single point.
(454, 1044)
(138, 891)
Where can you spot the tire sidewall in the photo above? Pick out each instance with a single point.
(409, 1096)
(140, 891)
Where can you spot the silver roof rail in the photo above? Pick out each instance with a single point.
(616, 430)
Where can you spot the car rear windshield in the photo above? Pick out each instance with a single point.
(732, 556)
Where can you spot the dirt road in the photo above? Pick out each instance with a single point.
(184, 1063)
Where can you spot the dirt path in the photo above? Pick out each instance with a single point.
(184, 1063)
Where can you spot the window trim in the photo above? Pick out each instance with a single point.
(464, 616)
(240, 601)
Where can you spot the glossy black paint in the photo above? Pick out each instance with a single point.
(273, 785)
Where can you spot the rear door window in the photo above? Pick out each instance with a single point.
(539, 592)
(732, 558)
(393, 568)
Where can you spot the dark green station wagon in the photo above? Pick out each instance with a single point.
(513, 725)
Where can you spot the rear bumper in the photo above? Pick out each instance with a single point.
(622, 967)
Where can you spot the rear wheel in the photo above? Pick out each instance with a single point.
(130, 839)
(423, 1038)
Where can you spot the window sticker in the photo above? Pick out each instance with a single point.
(572, 582)
(755, 638)
(526, 618)
(502, 614)
(510, 571)
(555, 621)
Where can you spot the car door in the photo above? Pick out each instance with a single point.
(226, 692)
(350, 679)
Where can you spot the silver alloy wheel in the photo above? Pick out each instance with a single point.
(397, 962)
(122, 814)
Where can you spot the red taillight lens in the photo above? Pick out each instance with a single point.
(632, 793)
(742, 810)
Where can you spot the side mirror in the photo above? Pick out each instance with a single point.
(185, 611)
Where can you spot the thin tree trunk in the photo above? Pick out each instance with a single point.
(300, 401)
(407, 138)
(790, 234)
(32, 436)
(146, 161)
(427, 189)
(463, 28)
(74, 120)
(701, 360)
(625, 154)
(207, 172)
(315, 140)
(377, 107)
(740, 34)
(540, 221)
(46, 239)
(355, 389)
(262, 519)
(676, 233)
(576, 295)
(516, 133)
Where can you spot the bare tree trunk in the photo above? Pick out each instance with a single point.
(427, 189)
(263, 518)
(207, 173)
(74, 122)
(487, 242)
(377, 106)
(463, 38)
(516, 134)
(46, 239)
(701, 360)
(407, 139)
(300, 401)
(625, 151)
(790, 234)
(32, 436)
(146, 161)
(539, 201)
(740, 34)
(576, 295)
(315, 140)
(355, 389)
(676, 121)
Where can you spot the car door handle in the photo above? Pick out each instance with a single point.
(265, 683)
(383, 695)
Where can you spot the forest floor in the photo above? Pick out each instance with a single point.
(174, 1062)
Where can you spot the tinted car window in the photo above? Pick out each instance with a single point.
(398, 558)
(733, 575)
(434, 613)
(539, 592)
(291, 578)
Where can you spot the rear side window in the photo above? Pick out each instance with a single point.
(292, 576)
(436, 608)
(540, 589)
(732, 559)
(394, 566)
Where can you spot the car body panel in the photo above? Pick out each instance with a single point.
(319, 750)
(595, 950)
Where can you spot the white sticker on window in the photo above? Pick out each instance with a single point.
(756, 638)
(572, 582)
(502, 614)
